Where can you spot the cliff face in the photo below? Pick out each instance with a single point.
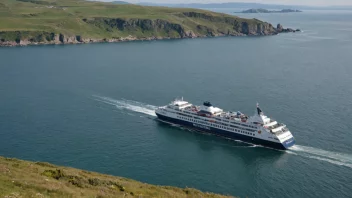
(239, 27)
(13, 38)
(140, 27)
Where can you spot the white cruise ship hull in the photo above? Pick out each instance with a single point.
(228, 134)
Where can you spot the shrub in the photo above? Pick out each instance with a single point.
(56, 174)
(94, 182)
(76, 181)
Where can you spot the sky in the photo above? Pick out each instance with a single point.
(281, 2)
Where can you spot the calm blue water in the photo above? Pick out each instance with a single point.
(91, 107)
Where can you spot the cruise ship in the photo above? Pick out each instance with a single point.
(257, 129)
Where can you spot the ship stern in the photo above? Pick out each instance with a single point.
(289, 143)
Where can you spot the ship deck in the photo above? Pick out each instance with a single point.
(227, 115)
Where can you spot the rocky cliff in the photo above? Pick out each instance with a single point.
(138, 29)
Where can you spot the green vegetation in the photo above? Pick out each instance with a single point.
(74, 21)
(20, 178)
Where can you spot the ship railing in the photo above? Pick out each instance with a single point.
(279, 130)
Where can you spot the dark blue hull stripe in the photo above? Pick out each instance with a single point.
(227, 134)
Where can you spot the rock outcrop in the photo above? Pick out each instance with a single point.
(281, 29)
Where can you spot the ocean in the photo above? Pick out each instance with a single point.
(92, 107)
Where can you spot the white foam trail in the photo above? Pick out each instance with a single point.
(128, 104)
(290, 152)
(342, 159)
(331, 161)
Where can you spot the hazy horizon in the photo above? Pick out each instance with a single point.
(280, 2)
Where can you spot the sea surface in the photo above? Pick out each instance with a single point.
(92, 107)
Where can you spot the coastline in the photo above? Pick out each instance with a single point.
(63, 22)
(75, 40)
(88, 41)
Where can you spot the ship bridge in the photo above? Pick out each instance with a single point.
(179, 104)
(208, 108)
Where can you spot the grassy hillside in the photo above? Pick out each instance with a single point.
(20, 178)
(70, 21)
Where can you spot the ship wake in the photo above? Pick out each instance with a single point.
(128, 105)
(341, 159)
(336, 158)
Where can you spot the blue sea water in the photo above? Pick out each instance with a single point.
(91, 107)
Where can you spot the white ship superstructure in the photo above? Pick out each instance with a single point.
(256, 129)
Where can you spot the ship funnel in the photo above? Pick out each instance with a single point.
(207, 104)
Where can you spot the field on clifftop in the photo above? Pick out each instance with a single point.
(76, 20)
(20, 178)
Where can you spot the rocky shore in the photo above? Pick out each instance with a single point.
(46, 38)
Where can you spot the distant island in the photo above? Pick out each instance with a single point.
(37, 22)
(20, 178)
(119, 2)
(242, 5)
(261, 10)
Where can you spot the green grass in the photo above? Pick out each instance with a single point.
(20, 178)
(68, 17)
